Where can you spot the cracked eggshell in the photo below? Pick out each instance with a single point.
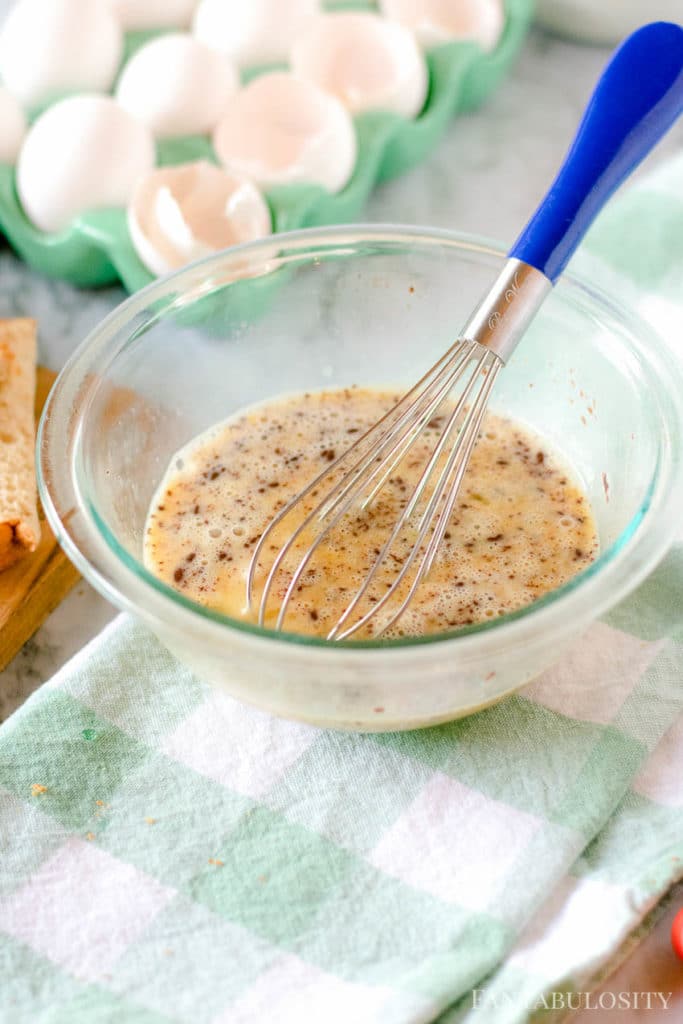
(443, 21)
(180, 214)
(280, 129)
(52, 47)
(137, 15)
(177, 86)
(12, 127)
(367, 62)
(82, 154)
(256, 32)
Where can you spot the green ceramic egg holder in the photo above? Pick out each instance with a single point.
(97, 250)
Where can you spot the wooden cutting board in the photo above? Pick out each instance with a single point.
(33, 588)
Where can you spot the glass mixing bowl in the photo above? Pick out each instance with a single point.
(328, 308)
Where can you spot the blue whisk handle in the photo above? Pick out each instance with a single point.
(636, 101)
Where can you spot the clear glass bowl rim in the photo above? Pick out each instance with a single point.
(615, 572)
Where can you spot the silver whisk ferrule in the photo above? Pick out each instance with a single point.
(502, 317)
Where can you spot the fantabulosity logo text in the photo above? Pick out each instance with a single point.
(604, 1002)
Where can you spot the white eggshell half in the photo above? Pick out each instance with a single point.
(52, 47)
(135, 15)
(443, 21)
(367, 62)
(253, 32)
(12, 127)
(183, 213)
(281, 129)
(84, 153)
(177, 86)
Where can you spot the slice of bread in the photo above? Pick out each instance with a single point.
(19, 524)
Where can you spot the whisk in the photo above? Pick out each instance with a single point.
(637, 99)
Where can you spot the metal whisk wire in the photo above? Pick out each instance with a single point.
(338, 506)
(403, 414)
(383, 447)
(619, 128)
(447, 484)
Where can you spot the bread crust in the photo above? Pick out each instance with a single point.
(19, 522)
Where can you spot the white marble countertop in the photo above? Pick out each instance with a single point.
(485, 177)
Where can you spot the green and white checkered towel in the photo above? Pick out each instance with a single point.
(168, 854)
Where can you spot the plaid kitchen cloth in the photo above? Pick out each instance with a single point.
(168, 854)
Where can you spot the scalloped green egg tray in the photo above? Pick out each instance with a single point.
(97, 250)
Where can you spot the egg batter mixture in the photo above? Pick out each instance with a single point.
(521, 526)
